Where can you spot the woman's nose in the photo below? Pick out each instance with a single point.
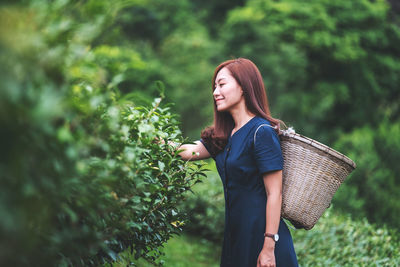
(216, 91)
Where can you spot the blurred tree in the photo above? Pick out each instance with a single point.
(213, 13)
(140, 23)
(326, 63)
(374, 188)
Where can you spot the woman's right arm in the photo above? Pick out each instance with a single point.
(194, 151)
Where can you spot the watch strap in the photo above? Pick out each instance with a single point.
(270, 235)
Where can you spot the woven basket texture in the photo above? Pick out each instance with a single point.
(312, 173)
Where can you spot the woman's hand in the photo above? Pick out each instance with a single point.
(266, 257)
(194, 151)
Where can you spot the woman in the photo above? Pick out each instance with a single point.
(244, 143)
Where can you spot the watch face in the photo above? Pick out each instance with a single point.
(276, 237)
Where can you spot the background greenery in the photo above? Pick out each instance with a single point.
(75, 144)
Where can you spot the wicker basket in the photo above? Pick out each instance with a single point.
(312, 172)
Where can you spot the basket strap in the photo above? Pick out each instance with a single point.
(255, 133)
(288, 223)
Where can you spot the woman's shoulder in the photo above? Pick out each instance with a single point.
(264, 134)
(260, 120)
(262, 123)
(262, 128)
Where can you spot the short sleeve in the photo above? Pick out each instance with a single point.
(267, 149)
(207, 147)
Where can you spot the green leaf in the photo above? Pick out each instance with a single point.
(161, 88)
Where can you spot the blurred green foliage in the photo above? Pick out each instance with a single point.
(82, 175)
(337, 240)
(374, 189)
(72, 72)
(331, 67)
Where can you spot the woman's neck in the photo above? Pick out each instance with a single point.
(241, 117)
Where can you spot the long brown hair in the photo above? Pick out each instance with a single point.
(249, 78)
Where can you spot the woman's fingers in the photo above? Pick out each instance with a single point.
(269, 264)
(262, 262)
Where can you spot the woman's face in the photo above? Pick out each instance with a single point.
(227, 92)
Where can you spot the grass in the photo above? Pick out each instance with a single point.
(181, 251)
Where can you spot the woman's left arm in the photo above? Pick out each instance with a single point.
(273, 188)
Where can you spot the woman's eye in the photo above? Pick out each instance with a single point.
(221, 84)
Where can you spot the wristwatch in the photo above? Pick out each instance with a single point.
(275, 237)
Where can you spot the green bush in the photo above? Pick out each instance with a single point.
(82, 176)
(337, 240)
(373, 189)
(205, 208)
(80, 179)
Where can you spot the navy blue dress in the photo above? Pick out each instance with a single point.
(240, 166)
